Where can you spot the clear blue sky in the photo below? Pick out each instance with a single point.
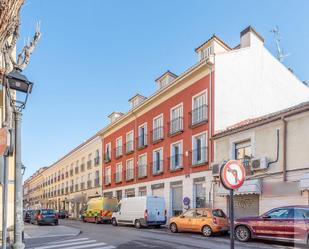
(94, 55)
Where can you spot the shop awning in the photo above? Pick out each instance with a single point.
(304, 182)
(249, 187)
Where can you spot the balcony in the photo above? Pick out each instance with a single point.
(107, 180)
(55, 179)
(199, 116)
(142, 170)
(157, 134)
(175, 126)
(142, 141)
(118, 151)
(62, 176)
(76, 170)
(157, 167)
(66, 174)
(82, 186)
(82, 167)
(198, 156)
(96, 161)
(89, 184)
(129, 174)
(59, 178)
(129, 147)
(176, 162)
(107, 158)
(118, 177)
(97, 182)
(71, 172)
(89, 164)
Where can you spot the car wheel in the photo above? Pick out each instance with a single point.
(56, 223)
(206, 230)
(137, 224)
(173, 228)
(114, 222)
(242, 233)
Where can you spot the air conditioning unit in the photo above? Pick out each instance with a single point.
(259, 163)
(215, 167)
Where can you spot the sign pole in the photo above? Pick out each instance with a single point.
(231, 218)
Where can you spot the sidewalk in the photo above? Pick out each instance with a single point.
(33, 231)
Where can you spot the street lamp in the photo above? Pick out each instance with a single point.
(18, 82)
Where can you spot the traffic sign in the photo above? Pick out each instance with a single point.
(232, 174)
(186, 201)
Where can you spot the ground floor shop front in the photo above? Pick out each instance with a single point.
(195, 187)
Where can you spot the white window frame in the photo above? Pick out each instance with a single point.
(206, 145)
(118, 178)
(145, 134)
(110, 150)
(153, 127)
(161, 159)
(116, 146)
(130, 159)
(128, 133)
(138, 164)
(108, 175)
(171, 154)
(182, 116)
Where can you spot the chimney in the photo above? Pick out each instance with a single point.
(114, 116)
(249, 37)
(137, 100)
(165, 79)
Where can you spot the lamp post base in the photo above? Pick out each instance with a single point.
(18, 245)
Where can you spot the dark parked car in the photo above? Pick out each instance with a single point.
(62, 214)
(290, 224)
(27, 215)
(44, 216)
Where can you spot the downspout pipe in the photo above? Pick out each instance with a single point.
(284, 149)
(277, 156)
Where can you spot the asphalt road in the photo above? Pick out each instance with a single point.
(106, 236)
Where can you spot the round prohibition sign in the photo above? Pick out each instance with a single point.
(232, 174)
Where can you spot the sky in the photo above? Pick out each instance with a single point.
(94, 55)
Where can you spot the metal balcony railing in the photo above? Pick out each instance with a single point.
(107, 157)
(157, 134)
(199, 115)
(96, 161)
(97, 182)
(118, 151)
(89, 164)
(142, 141)
(198, 156)
(129, 174)
(175, 126)
(176, 162)
(142, 170)
(157, 167)
(129, 147)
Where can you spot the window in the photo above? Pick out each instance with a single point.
(243, 152)
(199, 151)
(189, 214)
(108, 176)
(142, 136)
(118, 177)
(199, 109)
(129, 193)
(176, 156)
(157, 132)
(199, 195)
(142, 165)
(108, 152)
(129, 170)
(157, 161)
(129, 142)
(280, 213)
(300, 213)
(118, 147)
(142, 191)
(176, 122)
(97, 178)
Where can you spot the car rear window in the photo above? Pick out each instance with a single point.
(218, 213)
(48, 212)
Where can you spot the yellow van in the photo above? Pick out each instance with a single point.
(99, 209)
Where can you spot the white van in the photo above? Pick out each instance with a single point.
(140, 211)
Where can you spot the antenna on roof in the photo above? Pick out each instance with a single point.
(280, 53)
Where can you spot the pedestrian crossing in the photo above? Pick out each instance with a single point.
(78, 243)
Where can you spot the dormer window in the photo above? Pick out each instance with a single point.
(136, 100)
(166, 79)
(114, 116)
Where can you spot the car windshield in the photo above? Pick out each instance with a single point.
(218, 213)
(48, 211)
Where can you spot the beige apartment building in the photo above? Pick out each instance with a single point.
(274, 150)
(71, 181)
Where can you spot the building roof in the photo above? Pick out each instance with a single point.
(120, 113)
(258, 121)
(137, 95)
(213, 37)
(168, 72)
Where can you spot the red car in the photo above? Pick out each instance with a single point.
(289, 224)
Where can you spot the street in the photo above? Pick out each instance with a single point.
(106, 236)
